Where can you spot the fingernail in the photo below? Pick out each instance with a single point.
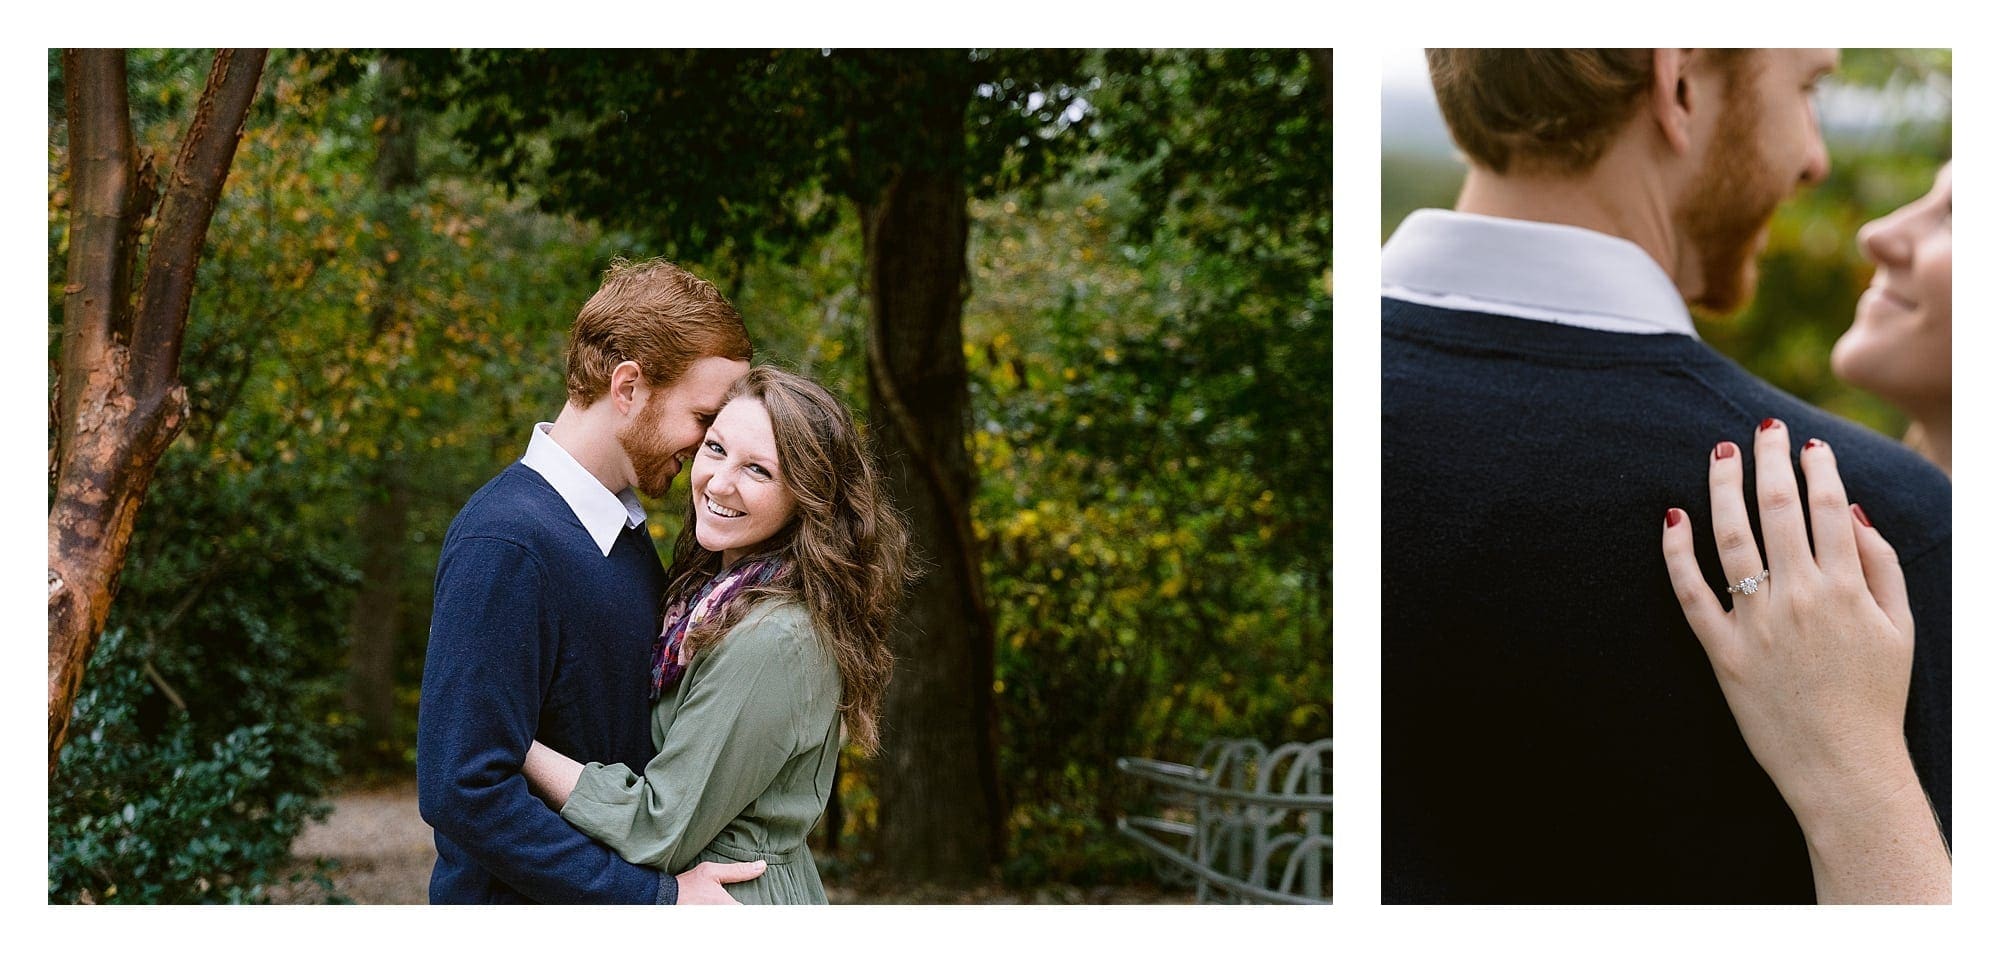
(1725, 450)
(1861, 515)
(1815, 442)
(1673, 517)
(1768, 423)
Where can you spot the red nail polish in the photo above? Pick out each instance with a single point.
(1815, 442)
(1725, 450)
(1768, 423)
(1861, 515)
(1673, 517)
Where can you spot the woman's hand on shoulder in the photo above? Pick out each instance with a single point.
(1814, 660)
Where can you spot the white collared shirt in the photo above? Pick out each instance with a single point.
(1522, 269)
(603, 514)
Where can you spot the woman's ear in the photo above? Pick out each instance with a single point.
(1671, 98)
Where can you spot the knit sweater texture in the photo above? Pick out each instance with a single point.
(1551, 729)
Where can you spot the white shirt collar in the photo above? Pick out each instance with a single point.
(1523, 269)
(603, 514)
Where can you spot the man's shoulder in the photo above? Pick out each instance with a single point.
(517, 506)
(1413, 331)
(1906, 496)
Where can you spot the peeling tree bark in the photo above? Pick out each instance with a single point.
(119, 401)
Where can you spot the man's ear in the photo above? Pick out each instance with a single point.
(628, 387)
(1671, 98)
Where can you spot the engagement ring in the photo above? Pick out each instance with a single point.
(1748, 584)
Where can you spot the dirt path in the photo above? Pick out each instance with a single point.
(384, 854)
(383, 848)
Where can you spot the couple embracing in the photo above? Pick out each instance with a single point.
(1764, 714)
(595, 729)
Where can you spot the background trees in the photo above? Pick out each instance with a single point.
(1075, 293)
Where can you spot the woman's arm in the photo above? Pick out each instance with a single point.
(551, 774)
(1815, 665)
(736, 726)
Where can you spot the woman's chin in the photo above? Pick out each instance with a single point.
(1855, 359)
(1872, 366)
(1870, 341)
(707, 541)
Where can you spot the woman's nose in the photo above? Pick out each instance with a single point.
(1886, 240)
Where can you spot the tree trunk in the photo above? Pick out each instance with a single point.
(376, 626)
(119, 399)
(938, 785)
(1320, 67)
(375, 629)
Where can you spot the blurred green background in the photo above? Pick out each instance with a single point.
(1886, 116)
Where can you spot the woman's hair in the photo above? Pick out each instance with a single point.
(846, 546)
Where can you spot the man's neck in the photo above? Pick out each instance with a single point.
(591, 444)
(1595, 200)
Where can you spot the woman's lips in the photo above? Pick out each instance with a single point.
(1883, 295)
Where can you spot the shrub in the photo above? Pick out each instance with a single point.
(150, 805)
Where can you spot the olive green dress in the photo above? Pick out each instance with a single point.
(748, 741)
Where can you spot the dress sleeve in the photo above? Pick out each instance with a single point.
(485, 672)
(736, 726)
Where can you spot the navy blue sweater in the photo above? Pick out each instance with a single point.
(1551, 729)
(535, 634)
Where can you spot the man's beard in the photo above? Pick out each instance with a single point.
(1732, 201)
(653, 462)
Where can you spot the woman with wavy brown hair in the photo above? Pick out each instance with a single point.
(785, 578)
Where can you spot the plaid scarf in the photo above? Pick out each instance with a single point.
(696, 603)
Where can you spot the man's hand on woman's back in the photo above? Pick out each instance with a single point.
(703, 882)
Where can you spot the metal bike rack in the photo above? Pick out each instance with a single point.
(1244, 823)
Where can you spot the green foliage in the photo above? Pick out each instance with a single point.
(352, 340)
(166, 806)
(201, 740)
(731, 155)
(1152, 378)
(342, 336)
(1237, 143)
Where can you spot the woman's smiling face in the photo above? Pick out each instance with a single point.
(740, 498)
(1900, 344)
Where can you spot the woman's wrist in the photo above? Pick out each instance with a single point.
(1879, 846)
(1856, 792)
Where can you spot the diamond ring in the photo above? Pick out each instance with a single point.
(1748, 584)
